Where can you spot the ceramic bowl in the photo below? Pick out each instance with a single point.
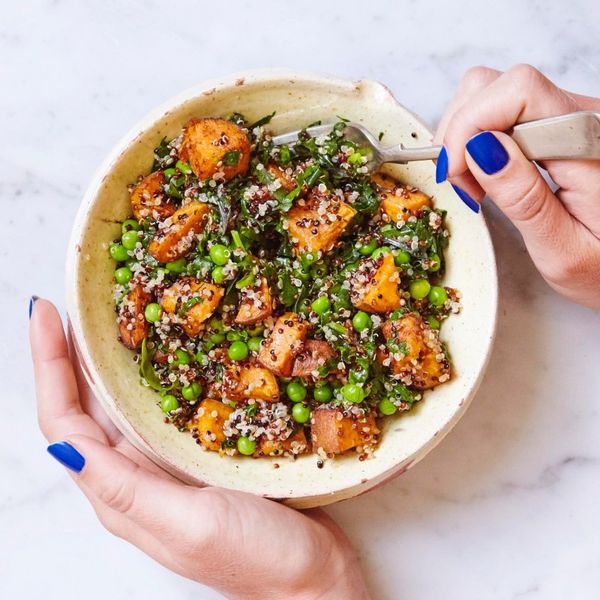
(298, 99)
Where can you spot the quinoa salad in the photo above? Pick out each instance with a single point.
(280, 300)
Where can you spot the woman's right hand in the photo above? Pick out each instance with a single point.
(562, 229)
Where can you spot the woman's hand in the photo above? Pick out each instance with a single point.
(240, 544)
(562, 229)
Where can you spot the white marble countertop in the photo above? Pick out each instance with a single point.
(507, 505)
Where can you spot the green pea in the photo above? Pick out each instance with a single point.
(202, 358)
(153, 312)
(369, 248)
(118, 252)
(322, 393)
(434, 323)
(218, 275)
(177, 266)
(437, 295)
(129, 225)
(300, 413)
(219, 254)
(419, 288)
(435, 263)
(361, 320)
(402, 257)
(380, 251)
(296, 391)
(129, 239)
(169, 403)
(192, 391)
(183, 167)
(182, 357)
(255, 343)
(321, 305)
(234, 336)
(216, 324)
(123, 275)
(246, 446)
(238, 351)
(353, 393)
(387, 407)
(216, 338)
(169, 173)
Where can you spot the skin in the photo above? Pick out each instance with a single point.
(214, 536)
(561, 230)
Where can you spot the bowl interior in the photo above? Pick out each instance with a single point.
(109, 367)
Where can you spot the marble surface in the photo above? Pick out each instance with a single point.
(507, 505)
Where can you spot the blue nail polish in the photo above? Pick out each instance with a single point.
(67, 456)
(472, 204)
(32, 301)
(441, 168)
(487, 151)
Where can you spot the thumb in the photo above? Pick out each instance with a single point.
(518, 188)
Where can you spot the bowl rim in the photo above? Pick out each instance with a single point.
(82, 352)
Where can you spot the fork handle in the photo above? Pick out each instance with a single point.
(574, 135)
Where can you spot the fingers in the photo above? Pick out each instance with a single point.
(59, 409)
(561, 247)
(520, 94)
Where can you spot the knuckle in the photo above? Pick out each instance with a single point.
(529, 204)
(120, 496)
(525, 75)
(476, 77)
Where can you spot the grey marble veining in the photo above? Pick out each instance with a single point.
(506, 506)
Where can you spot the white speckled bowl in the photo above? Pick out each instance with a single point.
(298, 99)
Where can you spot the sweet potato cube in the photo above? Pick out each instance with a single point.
(178, 236)
(336, 433)
(192, 300)
(399, 201)
(374, 285)
(285, 341)
(133, 327)
(243, 383)
(256, 304)
(318, 223)
(288, 183)
(215, 147)
(313, 354)
(149, 200)
(209, 421)
(414, 351)
(295, 444)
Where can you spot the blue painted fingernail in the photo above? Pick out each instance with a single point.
(441, 168)
(472, 204)
(32, 301)
(67, 456)
(487, 151)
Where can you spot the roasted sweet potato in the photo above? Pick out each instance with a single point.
(295, 444)
(178, 236)
(243, 383)
(399, 201)
(413, 350)
(317, 223)
(374, 285)
(193, 300)
(209, 421)
(285, 341)
(336, 433)
(133, 327)
(288, 183)
(312, 355)
(215, 146)
(256, 304)
(149, 200)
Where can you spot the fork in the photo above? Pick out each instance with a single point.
(573, 135)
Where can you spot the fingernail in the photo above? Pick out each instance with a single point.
(487, 151)
(472, 204)
(67, 456)
(32, 301)
(441, 168)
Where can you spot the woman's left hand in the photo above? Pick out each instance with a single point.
(242, 545)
